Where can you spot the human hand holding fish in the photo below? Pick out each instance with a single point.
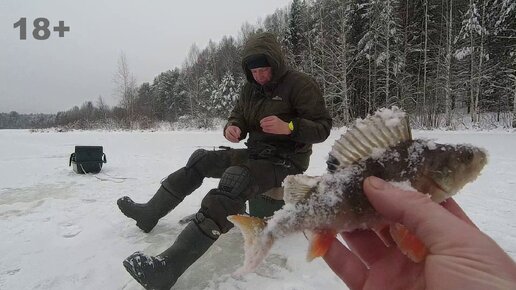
(380, 145)
(459, 256)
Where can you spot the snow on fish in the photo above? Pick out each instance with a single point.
(380, 145)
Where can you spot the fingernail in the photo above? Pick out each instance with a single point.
(377, 183)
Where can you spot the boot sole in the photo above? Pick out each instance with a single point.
(133, 272)
(146, 228)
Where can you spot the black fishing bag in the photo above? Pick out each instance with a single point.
(87, 159)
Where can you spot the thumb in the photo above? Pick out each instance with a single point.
(423, 217)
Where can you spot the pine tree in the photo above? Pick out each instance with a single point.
(165, 106)
(225, 96)
(471, 36)
(297, 31)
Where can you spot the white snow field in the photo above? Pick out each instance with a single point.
(61, 231)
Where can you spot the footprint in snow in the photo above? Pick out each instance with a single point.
(69, 230)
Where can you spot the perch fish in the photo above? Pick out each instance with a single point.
(380, 145)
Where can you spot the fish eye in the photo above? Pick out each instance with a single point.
(464, 157)
(468, 156)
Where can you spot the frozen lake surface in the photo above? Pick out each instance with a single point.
(62, 231)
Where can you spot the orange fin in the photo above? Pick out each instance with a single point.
(251, 227)
(408, 243)
(256, 245)
(320, 242)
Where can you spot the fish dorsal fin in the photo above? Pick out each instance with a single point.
(298, 187)
(385, 129)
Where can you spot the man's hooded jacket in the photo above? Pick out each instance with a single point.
(290, 95)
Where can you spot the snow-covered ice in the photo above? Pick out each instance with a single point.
(61, 230)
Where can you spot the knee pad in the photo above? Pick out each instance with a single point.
(195, 157)
(235, 180)
(218, 205)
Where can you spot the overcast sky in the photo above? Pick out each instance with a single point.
(55, 74)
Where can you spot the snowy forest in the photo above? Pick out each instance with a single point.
(450, 63)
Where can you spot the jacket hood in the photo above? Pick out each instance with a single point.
(267, 45)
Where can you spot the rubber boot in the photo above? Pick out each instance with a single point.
(148, 214)
(162, 271)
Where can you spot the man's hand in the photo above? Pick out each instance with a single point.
(232, 133)
(459, 253)
(274, 125)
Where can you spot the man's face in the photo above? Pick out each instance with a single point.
(262, 75)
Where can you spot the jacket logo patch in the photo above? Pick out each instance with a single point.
(277, 98)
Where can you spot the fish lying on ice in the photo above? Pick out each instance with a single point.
(380, 145)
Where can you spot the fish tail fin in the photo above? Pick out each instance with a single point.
(408, 243)
(256, 245)
(320, 242)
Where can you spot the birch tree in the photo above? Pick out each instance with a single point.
(448, 112)
(470, 31)
(126, 86)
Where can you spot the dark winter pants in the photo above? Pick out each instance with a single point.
(241, 178)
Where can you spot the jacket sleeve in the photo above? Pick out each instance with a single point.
(236, 118)
(313, 122)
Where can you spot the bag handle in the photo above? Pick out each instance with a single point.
(72, 157)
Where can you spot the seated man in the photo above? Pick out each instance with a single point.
(283, 112)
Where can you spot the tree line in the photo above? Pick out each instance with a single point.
(444, 61)
(435, 58)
